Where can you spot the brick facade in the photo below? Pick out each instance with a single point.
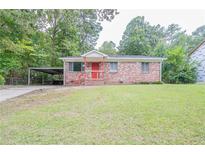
(127, 73)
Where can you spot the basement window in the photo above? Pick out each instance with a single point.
(145, 67)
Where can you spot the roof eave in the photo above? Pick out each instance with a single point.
(116, 59)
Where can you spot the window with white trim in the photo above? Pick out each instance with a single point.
(145, 67)
(113, 66)
(76, 66)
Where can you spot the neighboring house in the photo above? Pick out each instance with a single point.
(198, 55)
(94, 68)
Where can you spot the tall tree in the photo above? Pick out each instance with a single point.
(140, 37)
(108, 47)
(16, 46)
(199, 32)
(40, 37)
(72, 32)
(172, 33)
(89, 28)
(197, 37)
(175, 36)
(60, 25)
(107, 14)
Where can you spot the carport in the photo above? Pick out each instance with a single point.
(48, 70)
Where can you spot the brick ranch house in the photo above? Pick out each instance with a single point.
(96, 68)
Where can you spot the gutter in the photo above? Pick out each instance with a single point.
(116, 59)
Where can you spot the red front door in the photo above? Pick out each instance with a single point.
(95, 69)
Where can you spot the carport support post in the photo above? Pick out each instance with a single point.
(29, 76)
(64, 63)
(160, 71)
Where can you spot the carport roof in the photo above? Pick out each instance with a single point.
(49, 70)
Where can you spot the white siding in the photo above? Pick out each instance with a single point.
(199, 57)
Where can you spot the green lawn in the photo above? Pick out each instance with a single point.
(127, 114)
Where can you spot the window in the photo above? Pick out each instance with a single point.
(145, 67)
(76, 66)
(113, 67)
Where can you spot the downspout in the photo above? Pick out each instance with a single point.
(160, 71)
(29, 76)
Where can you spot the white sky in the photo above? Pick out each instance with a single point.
(189, 20)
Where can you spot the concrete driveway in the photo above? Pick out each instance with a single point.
(16, 91)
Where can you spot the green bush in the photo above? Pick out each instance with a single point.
(2, 80)
(177, 68)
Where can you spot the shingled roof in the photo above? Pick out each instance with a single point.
(96, 54)
(132, 56)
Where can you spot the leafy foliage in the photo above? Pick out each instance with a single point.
(40, 37)
(107, 14)
(2, 80)
(172, 42)
(108, 47)
(140, 37)
(199, 32)
(16, 46)
(177, 68)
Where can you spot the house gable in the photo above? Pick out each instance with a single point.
(94, 54)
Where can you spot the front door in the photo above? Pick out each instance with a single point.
(95, 69)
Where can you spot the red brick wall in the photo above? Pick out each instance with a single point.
(128, 72)
(69, 76)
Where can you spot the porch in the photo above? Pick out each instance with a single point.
(91, 73)
(88, 69)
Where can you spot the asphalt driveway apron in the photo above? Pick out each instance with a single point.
(13, 92)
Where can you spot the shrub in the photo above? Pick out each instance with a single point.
(177, 68)
(2, 80)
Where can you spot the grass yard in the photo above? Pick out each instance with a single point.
(127, 114)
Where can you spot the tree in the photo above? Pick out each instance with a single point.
(16, 46)
(175, 36)
(72, 32)
(199, 32)
(177, 68)
(60, 27)
(40, 37)
(107, 14)
(172, 33)
(108, 47)
(160, 49)
(89, 29)
(197, 37)
(140, 38)
(2, 80)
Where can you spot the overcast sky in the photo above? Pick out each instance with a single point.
(189, 20)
